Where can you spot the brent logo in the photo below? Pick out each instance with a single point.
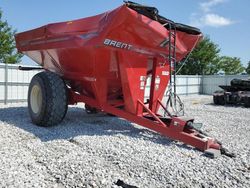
(117, 44)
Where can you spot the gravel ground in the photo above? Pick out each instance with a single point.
(97, 150)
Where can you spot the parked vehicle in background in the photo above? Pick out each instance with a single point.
(237, 93)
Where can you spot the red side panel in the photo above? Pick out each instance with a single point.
(133, 72)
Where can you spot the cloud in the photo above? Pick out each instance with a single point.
(212, 20)
(206, 17)
(215, 20)
(206, 6)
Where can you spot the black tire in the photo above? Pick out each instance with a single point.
(215, 98)
(219, 99)
(47, 99)
(247, 102)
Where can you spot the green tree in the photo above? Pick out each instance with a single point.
(231, 65)
(8, 52)
(248, 68)
(203, 60)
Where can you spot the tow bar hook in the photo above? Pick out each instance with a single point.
(213, 153)
(225, 151)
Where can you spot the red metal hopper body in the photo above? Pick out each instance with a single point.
(106, 60)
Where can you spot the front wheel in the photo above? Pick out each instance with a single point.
(47, 99)
(218, 98)
(247, 102)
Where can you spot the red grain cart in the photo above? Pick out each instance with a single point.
(105, 61)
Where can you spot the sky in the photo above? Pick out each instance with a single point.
(226, 22)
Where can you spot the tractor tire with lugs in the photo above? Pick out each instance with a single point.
(47, 99)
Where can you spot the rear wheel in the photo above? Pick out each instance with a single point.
(47, 99)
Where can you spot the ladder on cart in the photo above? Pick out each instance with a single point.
(173, 99)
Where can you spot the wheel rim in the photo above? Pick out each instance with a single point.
(36, 99)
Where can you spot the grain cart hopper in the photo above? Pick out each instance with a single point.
(105, 61)
(237, 93)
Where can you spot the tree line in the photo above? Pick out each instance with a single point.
(8, 52)
(204, 60)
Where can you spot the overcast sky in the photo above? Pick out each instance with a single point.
(227, 22)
